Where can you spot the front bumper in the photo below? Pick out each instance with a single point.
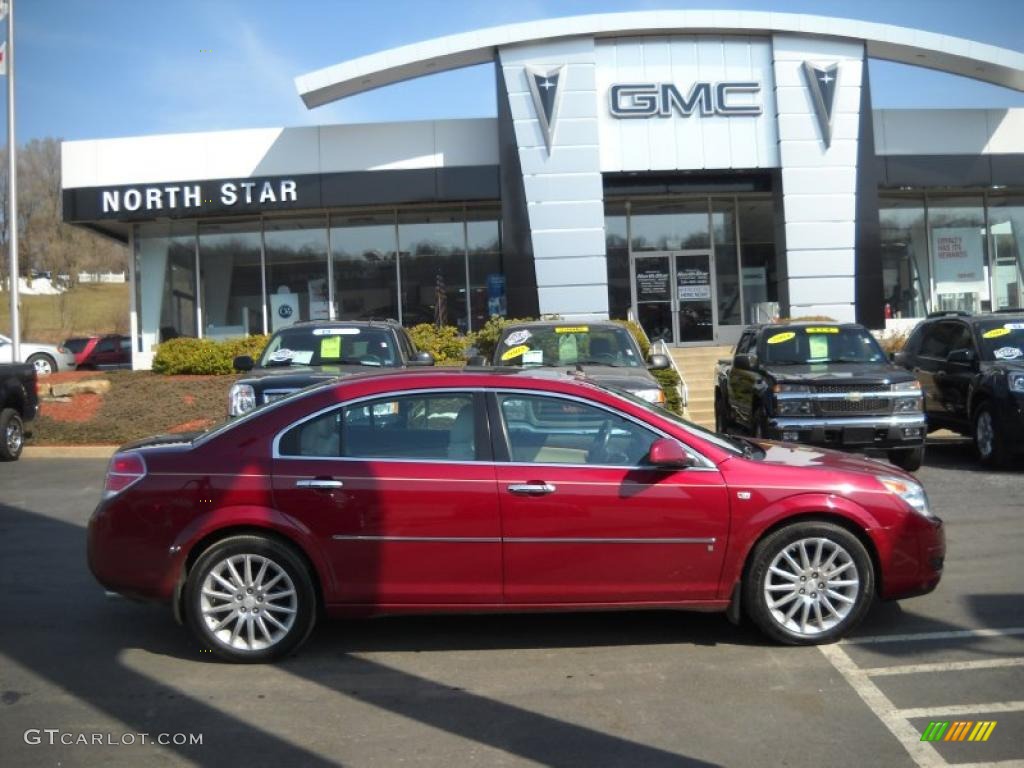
(853, 432)
(916, 559)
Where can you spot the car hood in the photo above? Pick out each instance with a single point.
(837, 372)
(794, 455)
(296, 377)
(629, 379)
(1014, 366)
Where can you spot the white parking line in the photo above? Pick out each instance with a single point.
(993, 764)
(951, 635)
(942, 666)
(964, 709)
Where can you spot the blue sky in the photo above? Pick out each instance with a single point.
(105, 68)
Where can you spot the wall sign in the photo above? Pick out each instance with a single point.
(959, 260)
(665, 99)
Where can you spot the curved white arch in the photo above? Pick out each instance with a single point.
(979, 61)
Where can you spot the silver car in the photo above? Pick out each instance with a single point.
(45, 357)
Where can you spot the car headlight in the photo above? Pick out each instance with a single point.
(241, 399)
(908, 403)
(1016, 382)
(655, 396)
(790, 404)
(912, 493)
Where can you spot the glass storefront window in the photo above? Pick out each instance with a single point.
(432, 260)
(365, 278)
(1006, 241)
(296, 270)
(956, 228)
(617, 251)
(165, 259)
(906, 276)
(487, 295)
(727, 274)
(758, 260)
(671, 226)
(231, 279)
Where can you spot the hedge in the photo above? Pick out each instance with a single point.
(204, 356)
(445, 343)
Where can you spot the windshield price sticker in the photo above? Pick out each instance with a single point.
(330, 347)
(516, 337)
(1008, 353)
(1014, 326)
(778, 338)
(995, 333)
(822, 329)
(335, 331)
(573, 329)
(515, 352)
(281, 356)
(533, 357)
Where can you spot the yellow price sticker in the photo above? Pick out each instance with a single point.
(573, 329)
(822, 329)
(515, 352)
(330, 347)
(995, 333)
(778, 338)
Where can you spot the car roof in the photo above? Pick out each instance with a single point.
(375, 323)
(562, 324)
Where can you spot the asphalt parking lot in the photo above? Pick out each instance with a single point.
(636, 689)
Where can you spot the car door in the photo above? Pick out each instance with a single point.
(106, 353)
(741, 383)
(402, 489)
(954, 379)
(585, 521)
(929, 367)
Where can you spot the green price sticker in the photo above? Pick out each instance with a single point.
(330, 347)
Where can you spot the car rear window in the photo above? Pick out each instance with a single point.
(332, 345)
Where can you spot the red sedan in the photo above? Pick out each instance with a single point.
(459, 491)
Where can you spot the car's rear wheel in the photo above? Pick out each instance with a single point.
(808, 583)
(12, 435)
(909, 459)
(250, 599)
(44, 364)
(988, 441)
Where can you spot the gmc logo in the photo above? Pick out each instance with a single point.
(662, 99)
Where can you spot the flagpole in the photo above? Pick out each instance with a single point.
(12, 172)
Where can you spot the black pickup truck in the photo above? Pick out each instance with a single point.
(824, 384)
(19, 403)
(318, 350)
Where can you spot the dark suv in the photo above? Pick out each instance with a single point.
(971, 368)
(314, 351)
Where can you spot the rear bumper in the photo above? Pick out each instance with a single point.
(853, 432)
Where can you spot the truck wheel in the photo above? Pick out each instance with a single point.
(44, 364)
(12, 435)
(721, 420)
(988, 441)
(759, 424)
(910, 460)
(808, 583)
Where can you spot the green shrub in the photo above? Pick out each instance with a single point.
(639, 334)
(893, 341)
(669, 381)
(204, 356)
(446, 344)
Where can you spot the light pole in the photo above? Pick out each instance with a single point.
(12, 172)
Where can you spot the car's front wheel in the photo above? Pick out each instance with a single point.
(988, 441)
(250, 599)
(12, 435)
(909, 459)
(44, 364)
(808, 583)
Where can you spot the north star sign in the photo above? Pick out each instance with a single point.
(664, 99)
(172, 197)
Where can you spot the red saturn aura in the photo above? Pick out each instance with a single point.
(461, 491)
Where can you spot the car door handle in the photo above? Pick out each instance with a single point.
(319, 484)
(532, 489)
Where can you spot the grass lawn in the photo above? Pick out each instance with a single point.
(138, 404)
(89, 308)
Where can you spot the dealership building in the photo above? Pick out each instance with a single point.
(696, 170)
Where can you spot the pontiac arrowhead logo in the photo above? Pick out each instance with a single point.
(545, 85)
(823, 83)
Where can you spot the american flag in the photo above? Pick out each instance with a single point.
(440, 302)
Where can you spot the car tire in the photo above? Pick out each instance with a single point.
(246, 624)
(792, 556)
(44, 364)
(721, 419)
(908, 459)
(989, 446)
(759, 424)
(12, 435)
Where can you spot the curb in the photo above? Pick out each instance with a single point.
(69, 451)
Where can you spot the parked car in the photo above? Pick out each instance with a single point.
(19, 404)
(80, 346)
(320, 350)
(971, 368)
(46, 358)
(473, 491)
(605, 352)
(827, 384)
(105, 353)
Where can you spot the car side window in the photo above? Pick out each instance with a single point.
(438, 426)
(937, 342)
(551, 430)
(743, 346)
(107, 345)
(961, 337)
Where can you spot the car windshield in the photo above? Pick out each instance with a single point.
(331, 345)
(1002, 339)
(555, 345)
(825, 343)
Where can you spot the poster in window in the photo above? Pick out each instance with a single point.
(693, 283)
(652, 280)
(959, 260)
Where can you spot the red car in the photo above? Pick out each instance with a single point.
(462, 491)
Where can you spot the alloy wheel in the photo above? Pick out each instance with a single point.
(984, 434)
(43, 366)
(811, 586)
(248, 602)
(13, 437)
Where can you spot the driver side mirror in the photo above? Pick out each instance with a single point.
(243, 364)
(961, 357)
(746, 362)
(669, 454)
(422, 358)
(658, 362)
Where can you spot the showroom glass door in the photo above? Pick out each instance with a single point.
(694, 296)
(653, 296)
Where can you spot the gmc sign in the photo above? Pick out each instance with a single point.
(662, 99)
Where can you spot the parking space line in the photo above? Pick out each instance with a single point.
(951, 635)
(921, 752)
(955, 710)
(993, 764)
(942, 666)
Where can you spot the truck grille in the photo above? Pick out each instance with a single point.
(866, 406)
(839, 388)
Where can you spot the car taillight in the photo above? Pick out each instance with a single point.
(125, 470)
